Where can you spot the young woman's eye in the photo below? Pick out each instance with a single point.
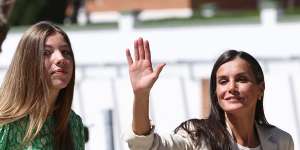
(47, 52)
(66, 52)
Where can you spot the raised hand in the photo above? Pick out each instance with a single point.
(142, 78)
(141, 73)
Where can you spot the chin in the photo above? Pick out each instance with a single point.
(232, 111)
(60, 85)
(232, 108)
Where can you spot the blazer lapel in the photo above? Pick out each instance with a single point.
(266, 138)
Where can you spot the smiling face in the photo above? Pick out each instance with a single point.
(58, 62)
(236, 88)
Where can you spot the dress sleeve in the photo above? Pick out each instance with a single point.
(77, 131)
(4, 133)
(154, 141)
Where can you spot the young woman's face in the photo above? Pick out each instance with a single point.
(236, 87)
(58, 61)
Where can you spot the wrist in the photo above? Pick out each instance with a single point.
(141, 95)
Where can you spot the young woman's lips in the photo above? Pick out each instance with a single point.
(59, 71)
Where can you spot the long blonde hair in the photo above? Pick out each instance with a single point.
(24, 91)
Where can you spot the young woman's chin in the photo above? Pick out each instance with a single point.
(59, 84)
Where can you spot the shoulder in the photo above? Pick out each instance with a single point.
(4, 132)
(275, 135)
(193, 126)
(74, 115)
(279, 132)
(282, 135)
(75, 118)
(13, 133)
(195, 130)
(274, 131)
(77, 130)
(16, 127)
(75, 122)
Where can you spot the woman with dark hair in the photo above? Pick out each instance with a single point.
(236, 120)
(37, 92)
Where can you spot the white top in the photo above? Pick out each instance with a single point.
(241, 147)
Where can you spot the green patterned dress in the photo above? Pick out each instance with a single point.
(11, 134)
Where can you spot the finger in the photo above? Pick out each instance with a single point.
(158, 69)
(128, 56)
(147, 50)
(136, 50)
(141, 48)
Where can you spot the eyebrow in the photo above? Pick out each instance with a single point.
(239, 74)
(62, 46)
(221, 77)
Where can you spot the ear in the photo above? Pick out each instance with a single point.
(261, 89)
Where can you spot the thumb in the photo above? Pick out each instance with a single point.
(159, 68)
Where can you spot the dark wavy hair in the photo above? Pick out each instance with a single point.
(212, 131)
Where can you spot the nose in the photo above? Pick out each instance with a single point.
(232, 88)
(59, 58)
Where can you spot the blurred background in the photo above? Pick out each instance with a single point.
(188, 35)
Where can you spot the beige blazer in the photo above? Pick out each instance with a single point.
(274, 138)
(270, 139)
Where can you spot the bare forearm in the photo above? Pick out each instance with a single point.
(141, 123)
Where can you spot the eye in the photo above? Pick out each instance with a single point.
(242, 79)
(47, 52)
(66, 52)
(222, 81)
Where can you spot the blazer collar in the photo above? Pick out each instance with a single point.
(266, 137)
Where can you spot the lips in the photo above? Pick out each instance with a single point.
(59, 71)
(233, 98)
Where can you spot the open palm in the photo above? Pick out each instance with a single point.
(141, 73)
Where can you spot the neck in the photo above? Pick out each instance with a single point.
(51, 100)
(243, 129)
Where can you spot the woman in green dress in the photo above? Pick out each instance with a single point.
(37, 92)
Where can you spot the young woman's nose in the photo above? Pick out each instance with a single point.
(58, 58)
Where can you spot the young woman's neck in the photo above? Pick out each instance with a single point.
(52, 99)
(243, 129)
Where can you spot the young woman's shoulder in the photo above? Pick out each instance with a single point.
(4, 133)
(12, 133)
(75, 117)
(77, 130)
(75, 122)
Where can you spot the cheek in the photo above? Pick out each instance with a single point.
(47, 65)
(71, 66)
(251, 93)
(248, 89)
(220, 91)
